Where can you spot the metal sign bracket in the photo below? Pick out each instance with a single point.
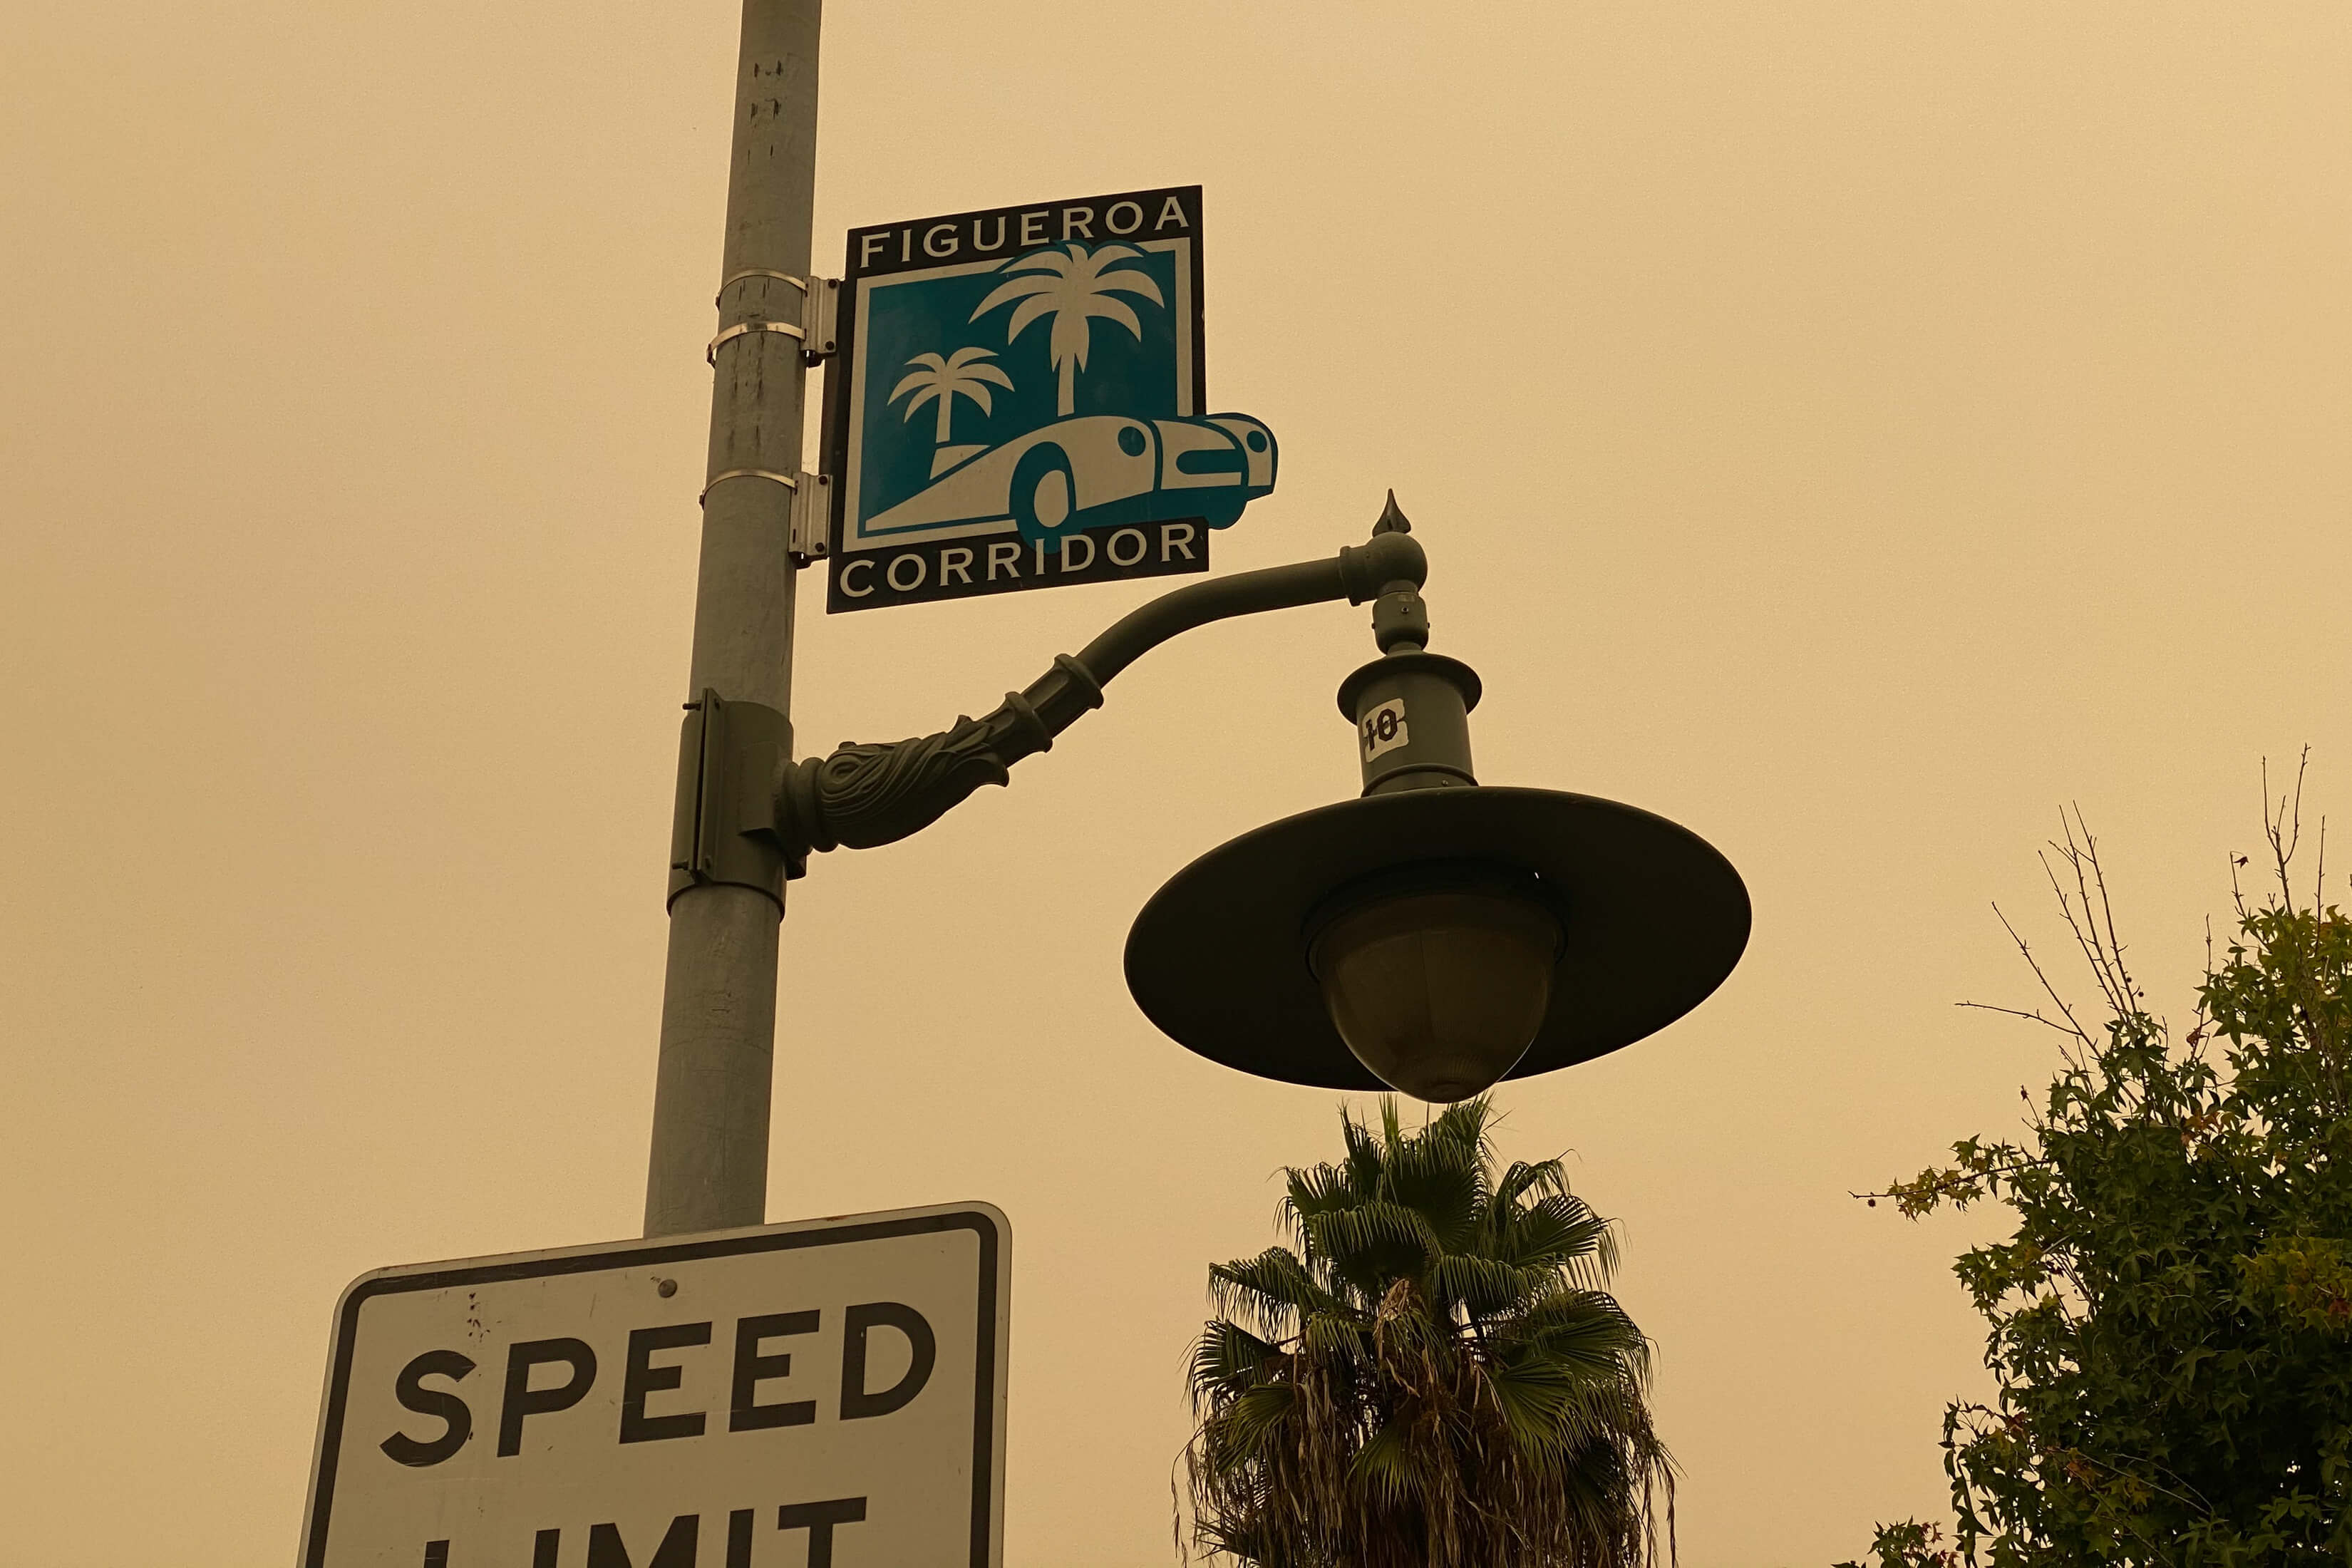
(812, 518)
(730, 756)
(819, 319)
(816, 330)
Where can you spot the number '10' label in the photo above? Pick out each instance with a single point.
(1383, 728)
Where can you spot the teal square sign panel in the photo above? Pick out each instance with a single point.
(1019, 401)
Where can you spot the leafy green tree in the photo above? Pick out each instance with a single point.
(2171, 1322)
(1430, 1375)
(1909, 1544)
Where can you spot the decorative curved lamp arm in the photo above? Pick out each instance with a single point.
(866, 794)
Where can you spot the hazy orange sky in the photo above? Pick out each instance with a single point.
(1849, 429)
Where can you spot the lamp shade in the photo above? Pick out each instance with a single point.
(1421, 921)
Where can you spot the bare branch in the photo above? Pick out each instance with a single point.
(2204, 1022)
(2106, 906)
(2034, 1018)
(2025, 950)
(2093, 923)
(2084, 931)
(2284, 826)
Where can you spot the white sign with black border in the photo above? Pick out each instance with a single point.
(829, 1393)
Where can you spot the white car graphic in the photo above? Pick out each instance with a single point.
(1096, 470)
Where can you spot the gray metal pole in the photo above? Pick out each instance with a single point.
(709, 1163)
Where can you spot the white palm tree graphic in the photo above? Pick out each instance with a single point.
(1074, 286)
(942, 381)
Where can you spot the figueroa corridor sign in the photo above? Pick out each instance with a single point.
(826, 1395)
(1019, 401)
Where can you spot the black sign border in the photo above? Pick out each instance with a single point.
(834, 437)
(840, 602)
(984, 1225)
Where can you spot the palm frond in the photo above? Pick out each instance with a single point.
(1254, 1419)
(1560, 1231)
(1585, 1328)
(1486, 1288)
(1314, 1189)
(1228, 1358)
(1429, 1375)
(1366, 1154)
(1368, 1243)
(1273, 1288)
(1385, 1466)
(1540, 1177)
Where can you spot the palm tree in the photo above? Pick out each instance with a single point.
(1430, 1376)
(942, 381)
(1075, 287)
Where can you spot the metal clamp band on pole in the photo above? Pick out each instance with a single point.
(710, 354)
(789, 481)
(735, 277)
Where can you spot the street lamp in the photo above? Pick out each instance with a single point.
(1435, 935)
